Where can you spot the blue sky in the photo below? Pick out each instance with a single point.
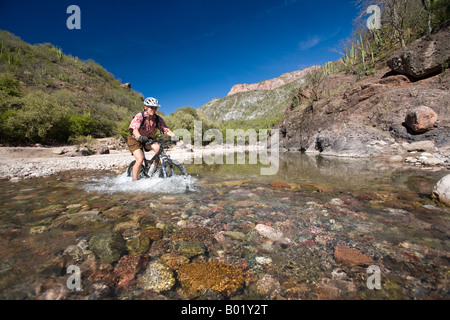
(184, 53)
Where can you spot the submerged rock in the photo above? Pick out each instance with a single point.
(263, 260)
(174, 261)
(79, 250)
(58, 292)
(100, 291)
(38, 230)
(108, 247)
(138, 245)
(153, 234)
(191, 249)
(338, 274)
(352, 257)
(158, 277)
(127, 269)
(271, 233)
(210, 294)
(268, 286)
(219, 276)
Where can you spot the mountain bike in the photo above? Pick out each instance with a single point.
(160, 165)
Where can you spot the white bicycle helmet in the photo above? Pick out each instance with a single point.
(151, 102)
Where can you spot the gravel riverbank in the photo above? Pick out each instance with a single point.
(17, 168)
(30, 162)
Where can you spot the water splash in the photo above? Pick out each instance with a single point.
(122, 183)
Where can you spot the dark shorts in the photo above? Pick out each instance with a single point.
(134, 145)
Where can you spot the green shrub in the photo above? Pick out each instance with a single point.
(9, 84)
(6, 130)
(123, 128)
(65, 98)
(81, 124)
(40, 119)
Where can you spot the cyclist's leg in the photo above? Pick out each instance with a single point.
(138, 155)
(155, 148)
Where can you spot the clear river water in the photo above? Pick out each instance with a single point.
(383, 211)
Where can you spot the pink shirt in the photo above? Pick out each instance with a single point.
(146, 129)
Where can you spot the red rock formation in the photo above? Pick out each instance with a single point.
(271, 83)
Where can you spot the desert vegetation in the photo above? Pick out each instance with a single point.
(49, 97)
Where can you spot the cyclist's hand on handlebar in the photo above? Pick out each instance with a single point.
(142, 139)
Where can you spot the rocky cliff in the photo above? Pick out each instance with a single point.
(376, 116)
(249, 105)
(266, 99)
(271, 83)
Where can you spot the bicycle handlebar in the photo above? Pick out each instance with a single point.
(162, 142)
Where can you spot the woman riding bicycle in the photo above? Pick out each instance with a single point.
(142, 127)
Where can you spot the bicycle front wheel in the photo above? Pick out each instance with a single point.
(174, 168)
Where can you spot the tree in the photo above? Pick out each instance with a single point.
(438, 11)
(428, 7)
(314, 80)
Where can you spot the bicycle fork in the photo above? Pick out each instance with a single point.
(163, 168)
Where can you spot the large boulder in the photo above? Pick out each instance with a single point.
(421, 119)
(441, 190)
(423, 57)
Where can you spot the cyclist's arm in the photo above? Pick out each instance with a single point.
(164, 128)
(136, 133)
(135, 125)
(170, 133)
